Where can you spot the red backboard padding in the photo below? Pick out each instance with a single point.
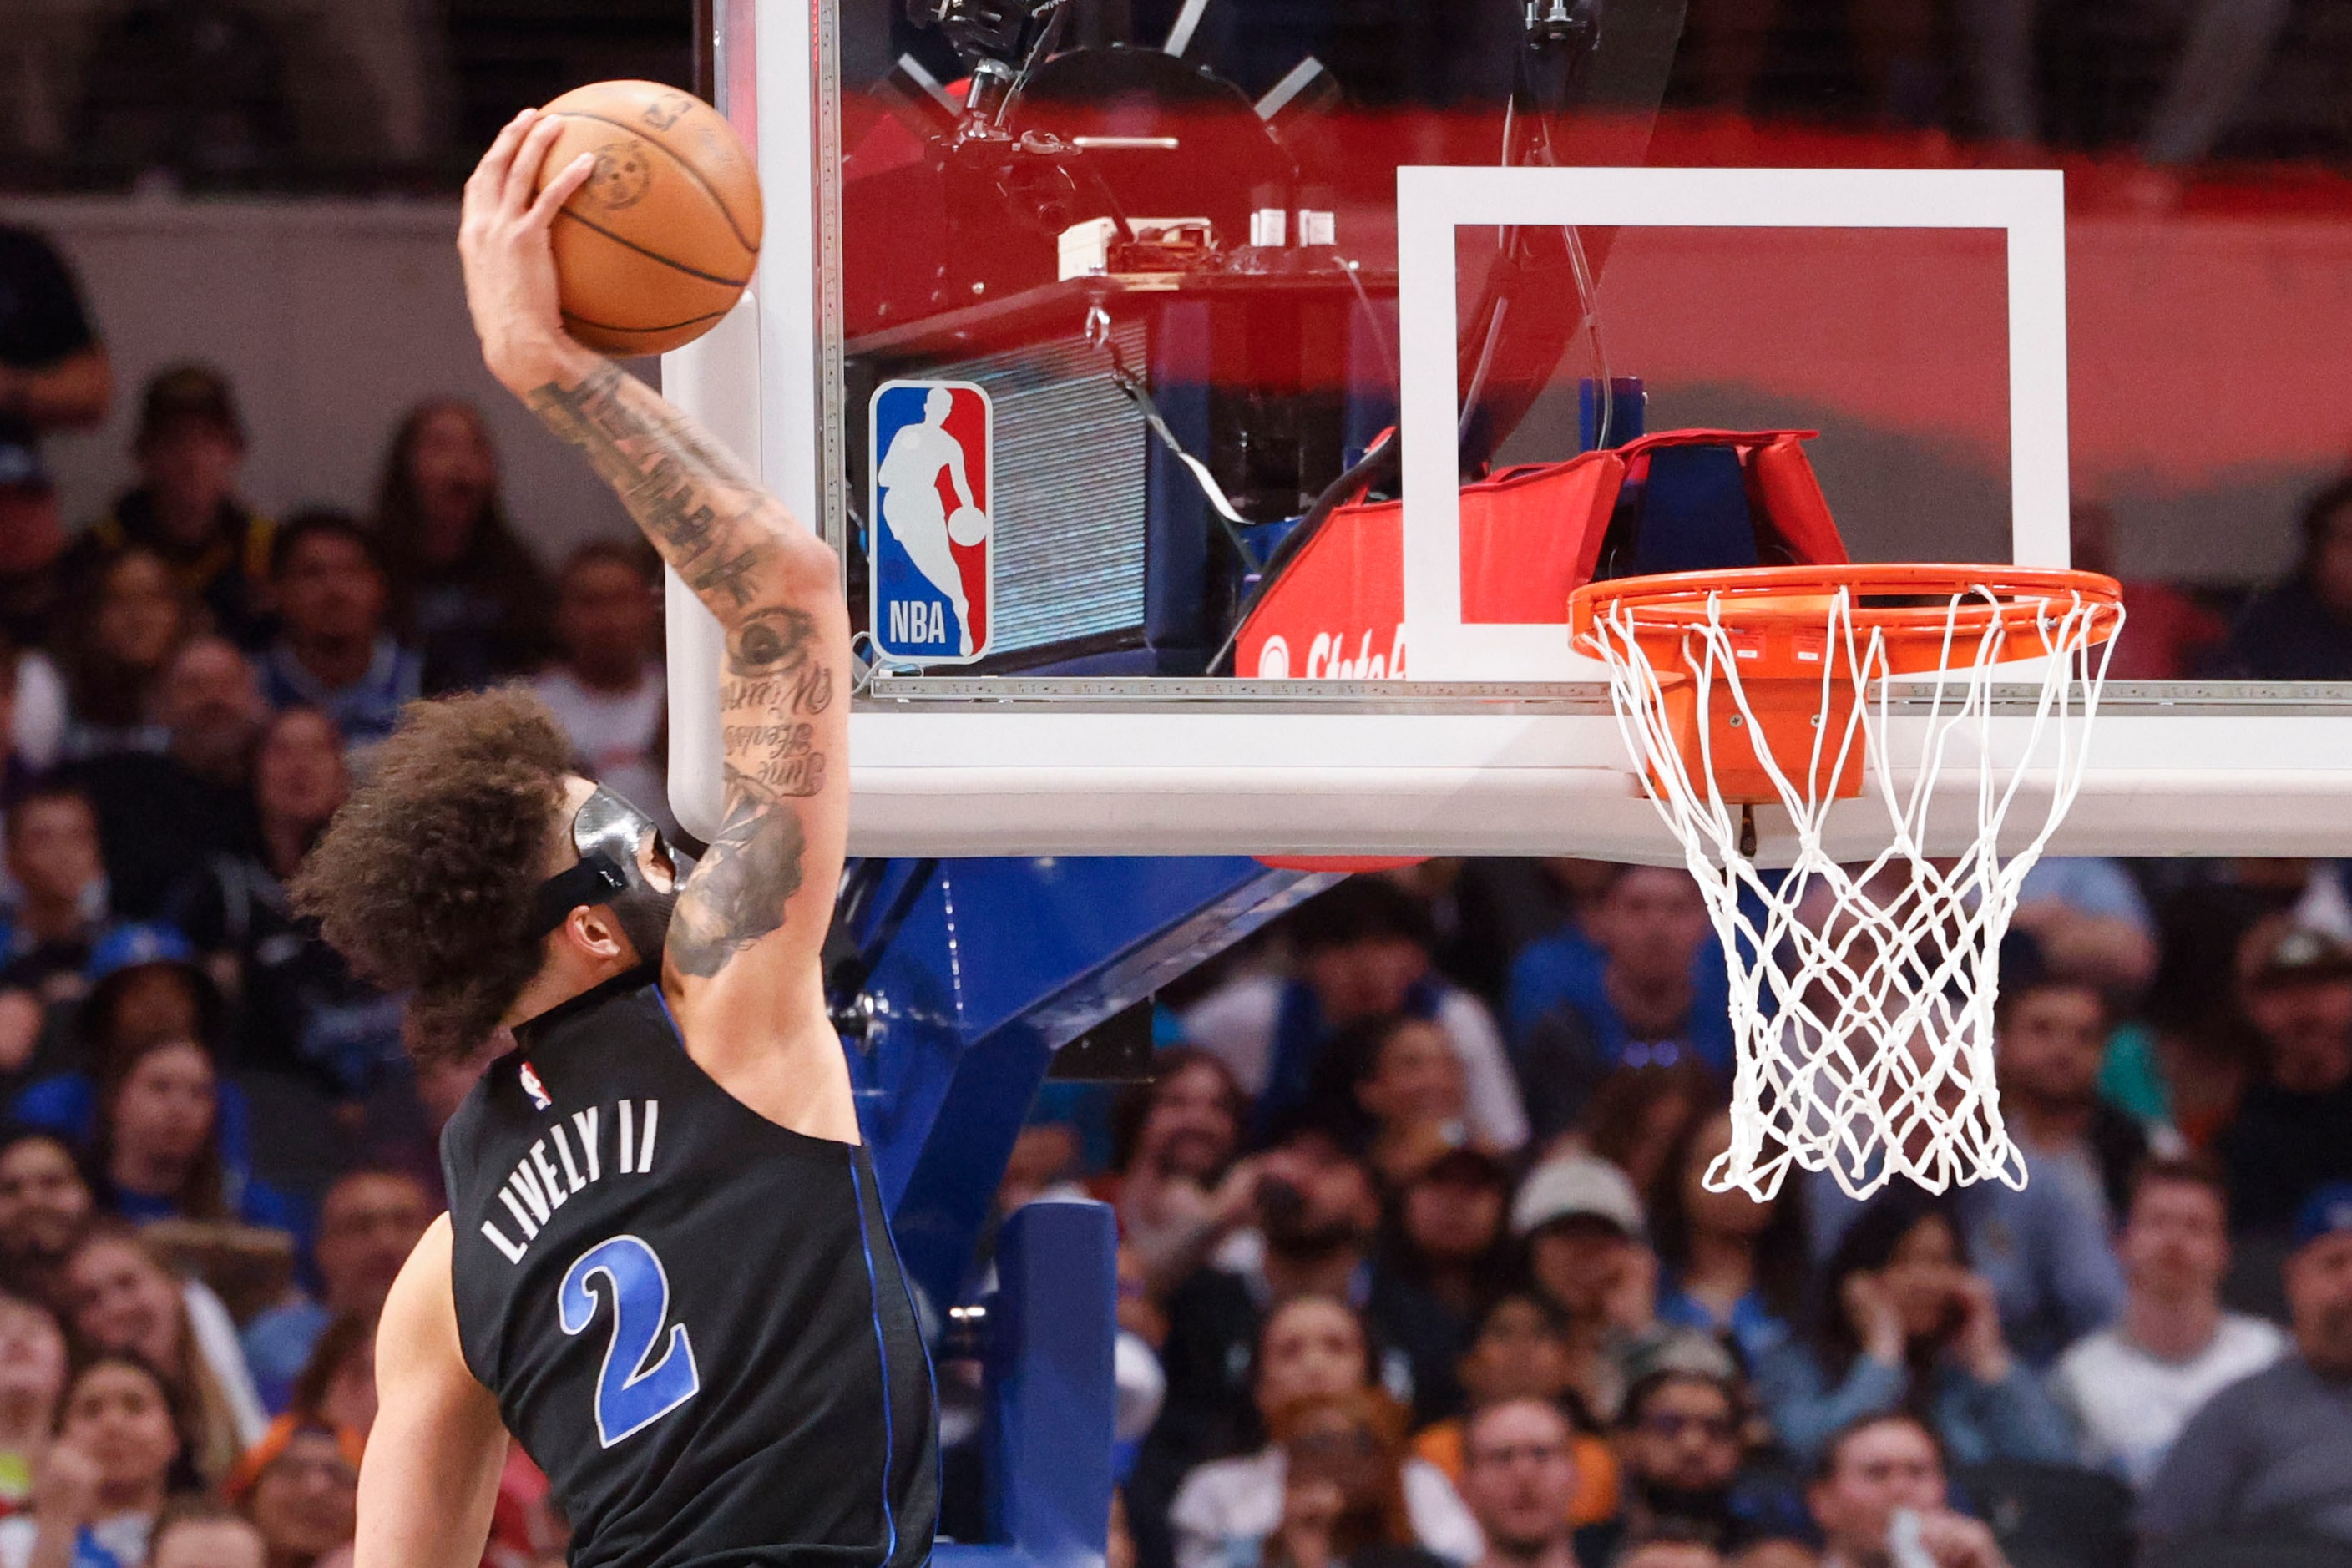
(1782, 487)
(1530, 536)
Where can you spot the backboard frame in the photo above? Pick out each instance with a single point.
(1433, 203)
(1450, 764)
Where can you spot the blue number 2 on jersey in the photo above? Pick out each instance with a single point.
(632, 1392)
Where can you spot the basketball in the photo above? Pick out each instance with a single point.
(661, 241)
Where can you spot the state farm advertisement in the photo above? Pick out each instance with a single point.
(1338, 614)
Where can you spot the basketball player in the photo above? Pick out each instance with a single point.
(664, 1267)
(911, 507)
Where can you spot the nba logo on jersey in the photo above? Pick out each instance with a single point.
(932, 550)
(533, 1088)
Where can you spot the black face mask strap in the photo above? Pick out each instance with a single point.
(595, 881)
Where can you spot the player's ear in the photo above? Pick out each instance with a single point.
(592, 930)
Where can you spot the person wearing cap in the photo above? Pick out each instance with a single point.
(1586, 1248)
(2270, 1455)
(190, 445)
(161, 1129)
(2293, 1127)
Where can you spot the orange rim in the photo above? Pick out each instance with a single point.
(1785, 599)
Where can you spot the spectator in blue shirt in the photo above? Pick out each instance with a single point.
(1903, 1326)
(1642, 982)
(159, 1132)
(1358, 951)
(333, 652)
(368, 1223)
(155, 1145)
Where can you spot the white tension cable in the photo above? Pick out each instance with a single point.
(1862, 996)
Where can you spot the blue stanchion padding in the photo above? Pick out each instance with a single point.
(1050, 1391)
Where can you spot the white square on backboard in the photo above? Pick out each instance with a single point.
(2028, 205)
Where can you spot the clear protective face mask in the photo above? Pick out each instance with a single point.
(610, 835)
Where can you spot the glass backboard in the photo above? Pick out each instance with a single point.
(1207, 399)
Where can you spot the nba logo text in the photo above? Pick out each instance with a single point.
(932, 549)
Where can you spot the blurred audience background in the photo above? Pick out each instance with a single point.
(1419, 1263)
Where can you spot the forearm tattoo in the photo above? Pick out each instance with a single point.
(707, 518)
(738, 891)
(721, 530)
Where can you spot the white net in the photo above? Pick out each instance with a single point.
(1862, 994)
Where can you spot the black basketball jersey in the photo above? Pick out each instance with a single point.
(693, 1319)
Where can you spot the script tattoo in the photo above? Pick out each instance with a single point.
(774, 684)
(775, 681)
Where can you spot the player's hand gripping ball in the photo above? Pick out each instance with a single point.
(663, 238)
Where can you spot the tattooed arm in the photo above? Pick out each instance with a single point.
(742, 965)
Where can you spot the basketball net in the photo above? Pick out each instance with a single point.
(1862, 996)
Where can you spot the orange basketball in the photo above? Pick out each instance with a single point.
(655, 248)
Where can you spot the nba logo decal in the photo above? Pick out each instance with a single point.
(933, 541)
(533, 1088)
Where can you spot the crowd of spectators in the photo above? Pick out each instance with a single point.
(1420, 1263)
(1420, 1260)
(214, 1154)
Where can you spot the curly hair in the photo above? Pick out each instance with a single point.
(423, 880)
